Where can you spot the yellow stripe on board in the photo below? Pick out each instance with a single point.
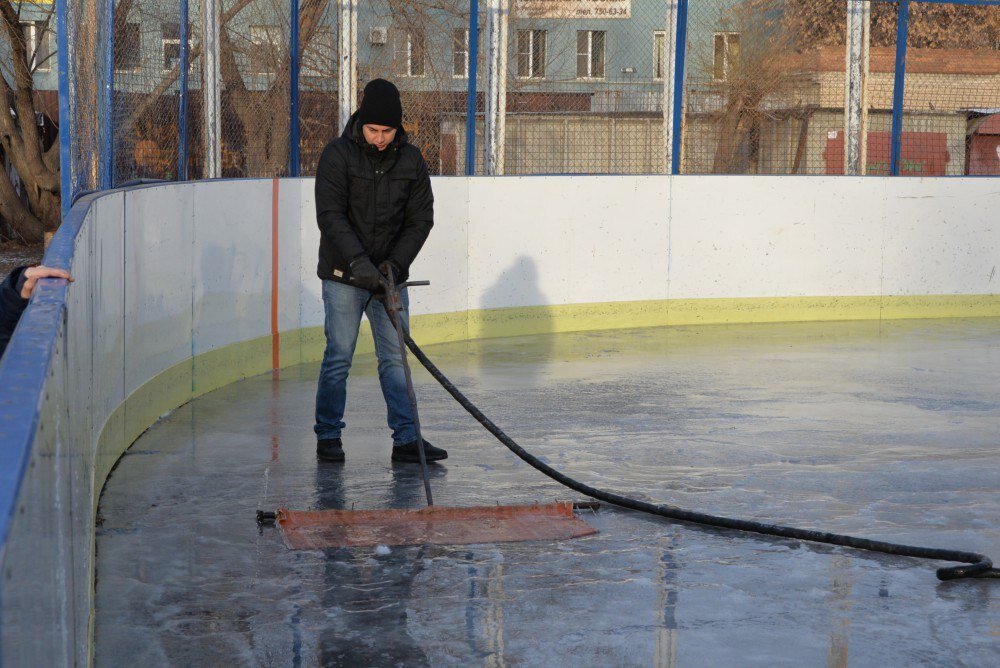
(495, 323)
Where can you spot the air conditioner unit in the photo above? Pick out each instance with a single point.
(378, 35)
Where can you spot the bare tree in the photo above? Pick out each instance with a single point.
(813, 23)
(34, 210)
(754, 83)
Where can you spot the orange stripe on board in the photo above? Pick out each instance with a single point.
(275, 357)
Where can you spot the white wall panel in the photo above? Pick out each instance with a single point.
(566, 239)
(310, 289)
(289, 251)
(231, 262)
(942, 237)
(519, 233)
(619, 239)
(734, 236)
(105, 290)
(444, 259)
(158, 280)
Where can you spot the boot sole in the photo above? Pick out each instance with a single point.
(415, 459)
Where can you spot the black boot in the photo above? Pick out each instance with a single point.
(330, 450)
(410, 453)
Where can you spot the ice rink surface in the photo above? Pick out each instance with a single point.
(882, 430)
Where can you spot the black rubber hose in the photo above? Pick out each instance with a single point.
(980, 566)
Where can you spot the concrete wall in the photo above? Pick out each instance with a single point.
(183, 288)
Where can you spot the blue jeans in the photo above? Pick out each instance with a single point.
(344, 305)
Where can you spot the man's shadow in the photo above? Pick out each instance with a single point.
(515, 306)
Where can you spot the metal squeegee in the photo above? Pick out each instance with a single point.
(433, 525)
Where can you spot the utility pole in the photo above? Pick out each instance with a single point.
(498, 13)
(211, 88)
(856, 87)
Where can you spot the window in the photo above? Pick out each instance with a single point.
(128, 56)
(410, 53)
(460, 53)
(37, 39)
(531, 53)
(590, 54)
(659, 58)
(171, 46)
(265, 49)
(727, 54)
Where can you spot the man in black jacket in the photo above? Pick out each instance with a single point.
(15, 292)
(375, 209)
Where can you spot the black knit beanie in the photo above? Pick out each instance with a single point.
(380, 105)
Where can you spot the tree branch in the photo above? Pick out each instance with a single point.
(25, 224)
(171, 78)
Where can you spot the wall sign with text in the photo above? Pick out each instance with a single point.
(572, 9)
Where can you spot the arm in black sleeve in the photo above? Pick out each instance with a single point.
(419, 219)
(331, 203)
(12, 305)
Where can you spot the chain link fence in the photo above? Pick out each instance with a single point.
(319, 81)
(757, 99)
(424, 48)
(145, 109)
(586, 86)
(87, 38)
(951, 98)
(255, 75)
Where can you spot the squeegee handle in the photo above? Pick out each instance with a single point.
(393, 304)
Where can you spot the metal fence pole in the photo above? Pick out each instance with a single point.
(496, 97)
(902, 35)
(107, 103)
(473, 72)
(856, 84)
(293, 88)
(678, 112)
(210, 89)
(667, 57)
(183, 132)
(65, 120)
(348, 76)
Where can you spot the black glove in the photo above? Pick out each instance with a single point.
(366, 276)
(390, 269)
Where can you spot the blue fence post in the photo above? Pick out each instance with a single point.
(473, 72)
(293, 139)
(107, 169)
(65, 121)
(182, 120)
(680, 53)
(902, 35)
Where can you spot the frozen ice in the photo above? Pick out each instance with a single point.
(882, 430)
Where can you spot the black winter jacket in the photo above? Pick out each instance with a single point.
(371, 203)
(12, 305)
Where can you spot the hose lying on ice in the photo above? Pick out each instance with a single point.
(974, 565)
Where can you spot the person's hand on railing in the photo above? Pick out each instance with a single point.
(30, 276)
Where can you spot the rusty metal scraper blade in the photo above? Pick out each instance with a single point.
(433, 525)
